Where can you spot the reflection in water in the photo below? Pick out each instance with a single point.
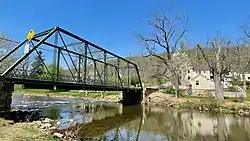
(175, 125)
(52, 113)
(102, 121)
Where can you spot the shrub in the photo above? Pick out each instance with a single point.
(231, 89)
(171, 91)
(134, 80)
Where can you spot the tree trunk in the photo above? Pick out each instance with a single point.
(244, 81)
(219, 94)
(221, 128)
(176, 86)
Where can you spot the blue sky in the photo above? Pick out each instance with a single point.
(113, 24)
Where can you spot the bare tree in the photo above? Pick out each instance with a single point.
(242, 53)
(245, 29)
(216, 56)
(167, 32)
(242, 61)
(6, 45)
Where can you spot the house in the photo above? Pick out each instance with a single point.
(201, 82)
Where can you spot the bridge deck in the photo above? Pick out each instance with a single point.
(47, 84)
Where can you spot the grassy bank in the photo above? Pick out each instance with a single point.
(234, 106)
(22, 132)
(109, 96)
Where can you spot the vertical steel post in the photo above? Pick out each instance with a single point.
(138, 75)
(85, 62)
(128, 76)
(94, 65)
(55, 57)
(105, 68)
(58, 63)
(79, 68)
(118, 71)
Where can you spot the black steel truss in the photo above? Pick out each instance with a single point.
(104, 70)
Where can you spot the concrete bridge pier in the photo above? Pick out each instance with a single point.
(131, 97)
(6, 90)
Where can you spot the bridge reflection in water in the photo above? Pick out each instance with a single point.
(146, 124)
(104, 121)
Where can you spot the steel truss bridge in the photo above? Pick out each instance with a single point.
(58, 58)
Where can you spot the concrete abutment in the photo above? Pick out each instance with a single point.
(6, 90)
(132, 97)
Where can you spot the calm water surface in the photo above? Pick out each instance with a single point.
(107, 121)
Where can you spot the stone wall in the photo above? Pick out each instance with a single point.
(6, 89)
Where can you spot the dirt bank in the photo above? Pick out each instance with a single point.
(202, 104)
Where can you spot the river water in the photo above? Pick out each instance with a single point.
(107, 121)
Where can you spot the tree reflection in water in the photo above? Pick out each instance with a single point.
(183, 125)
(52, 113)
(150, 123)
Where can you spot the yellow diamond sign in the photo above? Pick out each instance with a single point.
(30, 34)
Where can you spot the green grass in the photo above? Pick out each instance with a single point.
(22, 132)
(248, 93)
(231, 89)
(72, 93)
(171, 91)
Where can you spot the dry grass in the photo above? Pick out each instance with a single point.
(22, 132)
(161, 99)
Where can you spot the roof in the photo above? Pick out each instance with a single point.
(198, 76)
(200, 66)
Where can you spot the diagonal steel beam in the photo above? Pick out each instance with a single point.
(75, 53)
(67, 51)
(27, 54)
(9, 53)
(40, 57)
(18, 46)
(91, 44)
(43, 33)
(95, 65)
(67, 65)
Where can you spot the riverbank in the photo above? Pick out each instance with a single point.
(23, 132)
(230, 106)
(90, 95)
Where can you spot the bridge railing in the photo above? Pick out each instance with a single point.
(57, 55)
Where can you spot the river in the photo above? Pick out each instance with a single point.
(95, 120)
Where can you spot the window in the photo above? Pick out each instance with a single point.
(211, 77)
(188, 77)
(248, 78)
(188, 71)
(197, 82)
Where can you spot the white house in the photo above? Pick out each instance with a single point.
(201, 81)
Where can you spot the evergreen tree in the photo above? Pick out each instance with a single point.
(37, 66)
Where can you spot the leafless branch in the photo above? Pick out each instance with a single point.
(167, 34)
